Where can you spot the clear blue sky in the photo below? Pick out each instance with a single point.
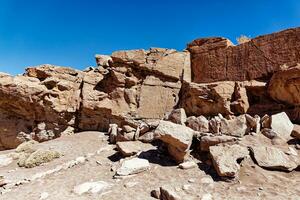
(71, 32)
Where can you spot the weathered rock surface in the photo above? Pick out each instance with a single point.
(126, 91)
(178, 137)
(207, 99)
(225, 158)
(217, 59)
(207, 141)
(234, 127)
(47, 95)
(281, 124)
(274, 158)
(130, 148)
(177, 116)
(200, 124)
(284, 86)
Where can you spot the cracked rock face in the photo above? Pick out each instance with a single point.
(47, 95)
(217, 59)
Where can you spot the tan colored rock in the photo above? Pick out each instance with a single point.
(177, 116)
(207, 141)
(281, 124)
(139, 84)
(178, 137)
(130, 148)
(207, 99)
(225, 158)
(284, 86)
(200, 124)
(103, 60)
(217, 59)
(234, 127)
(274, 158)
(44, 94)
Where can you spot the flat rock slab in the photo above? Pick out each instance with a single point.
(178, 137)
(225, 158)
(133, 166)
(274, 158)
(130, 148)
(91, 187)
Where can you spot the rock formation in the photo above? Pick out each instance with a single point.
(215, 107)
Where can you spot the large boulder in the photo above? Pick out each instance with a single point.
(217, 59)
(177, 137)
(284, 86)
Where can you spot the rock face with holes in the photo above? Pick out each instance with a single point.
(217, 59)
(38, 105)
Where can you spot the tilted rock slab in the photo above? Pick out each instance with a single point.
(178, 137)
(274, 158)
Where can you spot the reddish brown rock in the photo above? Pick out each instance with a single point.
(217, 59)
(284, 86)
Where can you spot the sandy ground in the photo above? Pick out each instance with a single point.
(254, 182)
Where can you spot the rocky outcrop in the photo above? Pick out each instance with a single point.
(217, 59)
(38, 105)
(138, 85)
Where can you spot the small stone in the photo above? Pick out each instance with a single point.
(130, 184)
(133, 166)
(5, 160)
(91, 187)
(177, 116)
(191, 180)
(269, 133)
(168, 193)
(200, 124)
(80, 160)
(187, 165)
(186, 187)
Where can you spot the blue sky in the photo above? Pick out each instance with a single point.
(71, 32)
